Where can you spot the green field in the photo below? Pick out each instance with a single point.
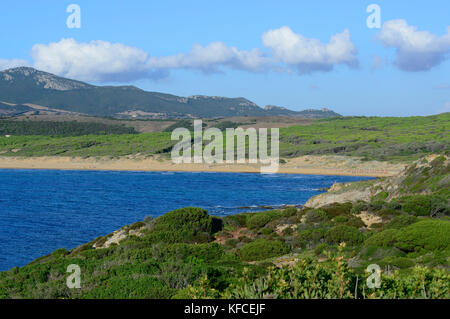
(381, 138)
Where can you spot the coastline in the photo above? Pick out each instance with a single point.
(307, 165)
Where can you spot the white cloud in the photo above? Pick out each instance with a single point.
(415, 50)
(209, 58)
(97, 61)
(12, 63)
(307, 54)
(101, 61)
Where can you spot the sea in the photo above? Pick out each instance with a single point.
(43, 210)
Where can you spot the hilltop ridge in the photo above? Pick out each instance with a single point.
(26, 85)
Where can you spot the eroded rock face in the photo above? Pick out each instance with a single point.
(395, 186)
(332, 197)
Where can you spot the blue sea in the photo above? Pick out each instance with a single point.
(42, 210)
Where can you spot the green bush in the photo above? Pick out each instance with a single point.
(340, 219)
(401, 221)
(258, 220)
(428, 235)
(337, 209)
(387, 213)
(418, 205)
(320, 249)
(386, 238)
(343, 233)
(315, 216)
(266, 231)
(311, 235)
(262, 249)
(358, 207)
(399, 262)
(190, 224)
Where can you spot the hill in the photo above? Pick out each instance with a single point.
(310, 113)
(29, 86)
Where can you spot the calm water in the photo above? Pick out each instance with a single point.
(42, 210)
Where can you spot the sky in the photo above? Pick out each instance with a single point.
(296, 54)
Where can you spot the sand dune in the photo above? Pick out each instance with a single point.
(323, 165)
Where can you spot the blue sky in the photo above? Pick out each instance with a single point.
(271, 52)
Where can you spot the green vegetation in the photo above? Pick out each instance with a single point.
(382, 138)
(86, 145)
(377, 138)
(261, 249)
(72, 128)
(343, 233)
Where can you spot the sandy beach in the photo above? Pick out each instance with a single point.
(317, 165)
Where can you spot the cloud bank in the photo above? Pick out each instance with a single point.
(415, 50)
(102, 61)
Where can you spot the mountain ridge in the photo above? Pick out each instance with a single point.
(25, 85)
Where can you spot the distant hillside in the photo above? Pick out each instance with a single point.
(310, 113)
(25, 85)
(13, 109)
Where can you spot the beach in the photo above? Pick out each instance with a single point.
(311, 165)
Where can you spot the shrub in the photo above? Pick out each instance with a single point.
(418, 205)
(386, 238)
(359, 207)
(428, 235)
(343, 233)
(232, 242)
(262, 249)
(399, 262)
(311, 235)
(234, 221)
(340, 219)
(381, 196)
(337, 209)
(386, 213)
(315, 216)
(355, 221)
(320, 249)
(258, 220)
(190, 224)
(376, 205)
(401, 221)
(290, 211)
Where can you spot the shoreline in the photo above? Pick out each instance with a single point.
(304, 165)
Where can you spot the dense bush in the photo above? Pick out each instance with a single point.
(311, 235)
(315, 216)
(418, 205)
(399, 262)
(401, 221)
(343, 233)
(337, 209)
(258, 220)
(386, 238)
(262, 249)
(308, 279)
(190, 224)
(68, 128)
(428, 235)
